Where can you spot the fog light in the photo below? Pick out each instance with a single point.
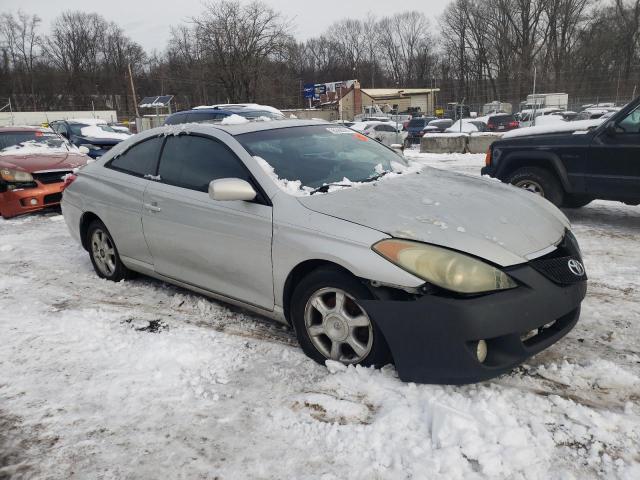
(481, 351)
(33, 201)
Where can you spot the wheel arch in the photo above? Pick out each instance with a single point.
(300, 271)
(546, 160)
(85, 221)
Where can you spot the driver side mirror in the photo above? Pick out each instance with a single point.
(610, 129)
(231, 189)
(398, 148)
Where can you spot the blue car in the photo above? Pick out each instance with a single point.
(98, 137)
(415, 128)
(216, 113)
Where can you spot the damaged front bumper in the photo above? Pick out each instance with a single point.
(434, 339)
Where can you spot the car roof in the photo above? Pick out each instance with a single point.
(242, 128)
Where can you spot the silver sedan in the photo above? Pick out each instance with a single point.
(453, 279)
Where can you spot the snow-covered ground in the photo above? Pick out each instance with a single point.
(143, 380)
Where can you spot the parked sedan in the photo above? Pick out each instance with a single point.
(32, 172)
(384, 132)
(326, 230)
(93, 134)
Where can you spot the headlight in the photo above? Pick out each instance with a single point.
(444, 268)
(89, 146)
(15, 176)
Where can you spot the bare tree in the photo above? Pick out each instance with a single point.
(239, 39)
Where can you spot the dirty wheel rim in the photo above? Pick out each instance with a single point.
(103, 251)
(338, 327)
(531, 186)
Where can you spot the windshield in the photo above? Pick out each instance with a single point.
(321, 154)
(8, 139)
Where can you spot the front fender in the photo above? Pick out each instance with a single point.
(532, 158)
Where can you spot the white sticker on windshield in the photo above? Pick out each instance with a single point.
(339, 130)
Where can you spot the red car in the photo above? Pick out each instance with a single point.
(33, 164)
(502, 122)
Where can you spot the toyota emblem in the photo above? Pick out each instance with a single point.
(576, 267)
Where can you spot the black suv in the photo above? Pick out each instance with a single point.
(572, 168)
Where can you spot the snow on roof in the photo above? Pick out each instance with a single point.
(555, 127)
(391, 92)
(255, 106)
(89, 121)
(234, 120)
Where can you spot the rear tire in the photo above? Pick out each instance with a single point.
(576, 200)
(104, 253)
(330, 323)
(538, 181)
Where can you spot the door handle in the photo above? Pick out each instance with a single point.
(152, 207)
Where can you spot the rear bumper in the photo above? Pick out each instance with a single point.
(18, 202)
(433, 339)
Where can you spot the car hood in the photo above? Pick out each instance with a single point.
(41, 161)
(482, 217)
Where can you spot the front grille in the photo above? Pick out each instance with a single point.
(50, 177)
(556, 265)
(52, 198)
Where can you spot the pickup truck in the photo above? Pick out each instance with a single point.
(573, 163)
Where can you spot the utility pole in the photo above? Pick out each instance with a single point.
(133, 92)
(535, 100)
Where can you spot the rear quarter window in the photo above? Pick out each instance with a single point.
(139, 160)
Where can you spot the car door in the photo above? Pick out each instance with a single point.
(613, 166)
(121, 192)
(222, 247)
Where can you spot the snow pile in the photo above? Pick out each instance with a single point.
(555, 127)
(462, 126)
(96, 131)
(292, 187)
(234, 120)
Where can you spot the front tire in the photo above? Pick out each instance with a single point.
(538, 181)
(104, 254)
(330, 323)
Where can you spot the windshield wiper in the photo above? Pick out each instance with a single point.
(375, 177)
(325, 188)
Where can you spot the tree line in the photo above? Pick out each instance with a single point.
(232, 51)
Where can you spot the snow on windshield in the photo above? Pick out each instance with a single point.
(234, 120)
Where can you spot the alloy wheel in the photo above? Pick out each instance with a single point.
(338, 327)
(531, 186)
(103, 251)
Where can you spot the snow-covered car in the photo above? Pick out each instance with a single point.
(94, 134)
(32, 171)
(467, 125)
(371, 259)
(384, 132)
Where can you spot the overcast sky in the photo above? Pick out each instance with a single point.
(147, 22)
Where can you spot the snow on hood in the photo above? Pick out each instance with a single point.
(556, 127)
(485, 218)
(32, 147)
(94, 131)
